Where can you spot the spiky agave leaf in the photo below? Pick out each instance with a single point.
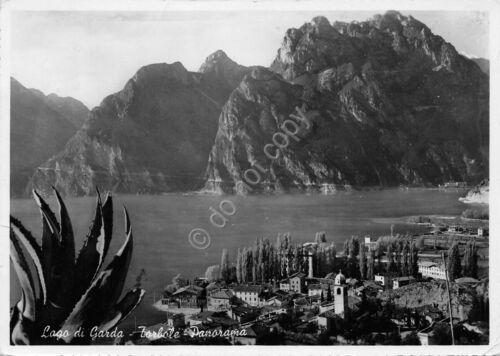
(23, 272)
(58, 268)
(107, 217)
(50, 240)
(93, 252)
(123, 309)
(26, 239)
(67, 241)
(94, 307)
(22, 330)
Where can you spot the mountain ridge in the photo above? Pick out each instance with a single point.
(388, 103)
(152, 136)
(394, 104)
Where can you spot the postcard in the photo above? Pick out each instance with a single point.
(257, 177)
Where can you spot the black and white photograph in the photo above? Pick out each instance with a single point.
(248, 175)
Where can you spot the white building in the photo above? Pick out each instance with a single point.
(248, 294)
(285, 285)
(431, 269)
(382, 279)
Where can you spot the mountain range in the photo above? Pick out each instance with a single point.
(385, 101)
(40, 127)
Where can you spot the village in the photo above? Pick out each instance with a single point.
(392, 290)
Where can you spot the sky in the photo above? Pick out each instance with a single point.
(89, 55)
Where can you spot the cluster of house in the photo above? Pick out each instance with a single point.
(427, 269)
(296, 290)
(256, 308)
(458, 230)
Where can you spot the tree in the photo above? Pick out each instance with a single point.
(212, 273)
(238, 267)
(411, 339)
(331, 256)
(320, 237)
(473, 261)
(442, 334)
(399, 258)
(178, 281)
(296, 259)
(353, 246)
(390, 259)
(394, 338)
(379, 253)
(470, 260)
(202, 299)
(413, 265)
(255, 262)
(329, 296)
(362, 262)
(371, 266)
(261, 256)
(405, 260)
(420, 242)
(346, 247)
(454, 264)
(324, 339)
(244, 265)
(224, 266)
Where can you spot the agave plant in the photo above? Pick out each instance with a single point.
(64, 296)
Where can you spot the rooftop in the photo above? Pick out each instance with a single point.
(406, 278)
(249, 289)
(298, 275)
(222, 294)
(328, 314)
(429, 264)
(190, 289)
(466, 280)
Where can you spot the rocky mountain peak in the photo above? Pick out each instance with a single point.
(218, 66)
(316, 45)
(388, 103)
(214, 58)
(162, 72)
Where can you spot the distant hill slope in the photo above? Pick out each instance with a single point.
(153, 136)
(483, 63)
(388, 101)
(40, 127)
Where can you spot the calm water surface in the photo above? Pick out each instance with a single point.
(161, 225)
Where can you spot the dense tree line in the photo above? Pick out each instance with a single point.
(267, 262)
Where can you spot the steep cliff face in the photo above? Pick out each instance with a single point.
(434, 293)
(40, 127)
(388, 102)
(153, 136)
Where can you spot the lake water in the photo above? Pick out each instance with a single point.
(161, 225)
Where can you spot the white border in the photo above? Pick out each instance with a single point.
(491, 6)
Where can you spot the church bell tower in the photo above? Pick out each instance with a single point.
(340, 295)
